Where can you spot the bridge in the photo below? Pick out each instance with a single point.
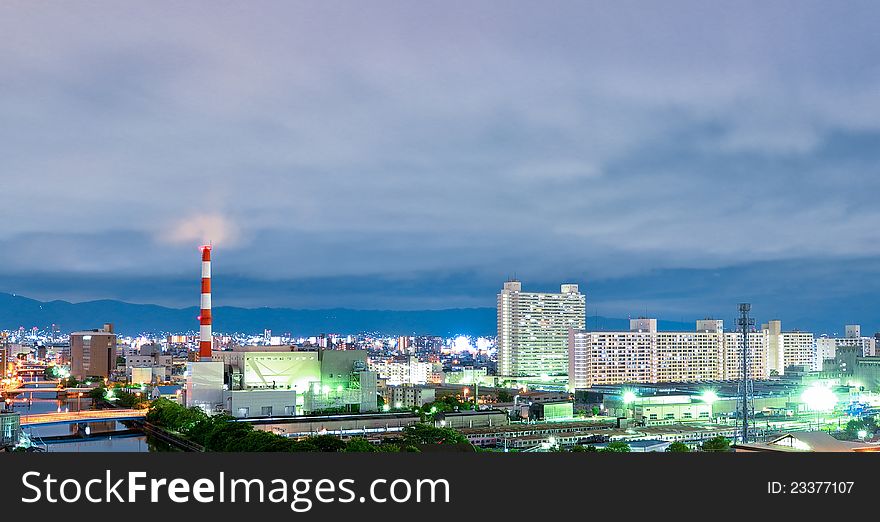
(31, 369)
(69, 392)
(75, 417)
(41, 382)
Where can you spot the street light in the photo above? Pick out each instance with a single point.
(819, 399)
(709, 397)
(629, 397)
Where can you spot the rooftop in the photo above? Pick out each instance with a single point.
(807, 441)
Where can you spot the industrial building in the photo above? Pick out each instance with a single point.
(290, 381)
(250, 381)
(826, 347)
(260, 403)
(548, 411)
(856, 369)
(533, 330)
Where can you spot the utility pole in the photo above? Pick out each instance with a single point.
(745, 322)
(476, 394)
(4, 353)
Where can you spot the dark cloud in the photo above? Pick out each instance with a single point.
(414, 155)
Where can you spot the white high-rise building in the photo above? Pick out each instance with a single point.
(644, 355)
(785, 349)
(406, 371)
(826, 347)
(533, 329)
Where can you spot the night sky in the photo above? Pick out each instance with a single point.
(674, 158)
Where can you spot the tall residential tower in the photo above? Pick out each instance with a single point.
(533, 329)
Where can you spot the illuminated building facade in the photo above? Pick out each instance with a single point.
(93, 353)
(533, 329)
(645, 355)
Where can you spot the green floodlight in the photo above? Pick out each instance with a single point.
(819, 398)
(629, 397)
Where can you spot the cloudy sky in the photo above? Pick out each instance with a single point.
(674, 158)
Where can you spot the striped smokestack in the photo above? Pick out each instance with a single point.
(205, 334)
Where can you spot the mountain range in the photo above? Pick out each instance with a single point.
(132, 319)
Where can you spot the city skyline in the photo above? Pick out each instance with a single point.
(673, 162)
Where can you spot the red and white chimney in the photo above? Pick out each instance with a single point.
(205, 334)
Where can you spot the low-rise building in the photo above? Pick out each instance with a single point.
(550, 411)
(168, 391)
(471, 419)
(468, 375)
(10, 429)
(806, 441)
(409, 396)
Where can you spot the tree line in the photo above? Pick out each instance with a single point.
(222, 433)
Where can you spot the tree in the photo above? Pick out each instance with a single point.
(504, 396)
(595, 411)
(678, 447)
(128, 399)
(426, 434)
(327, 443)
(854, 426)
(718, 443)
(224, 433)
(617, 446)
(360, 445)
(70, 382)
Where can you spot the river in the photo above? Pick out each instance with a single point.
(47, 402)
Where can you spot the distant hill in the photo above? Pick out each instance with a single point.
(16, 311)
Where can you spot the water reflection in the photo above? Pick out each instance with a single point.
(45, 400)
(110, 444)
